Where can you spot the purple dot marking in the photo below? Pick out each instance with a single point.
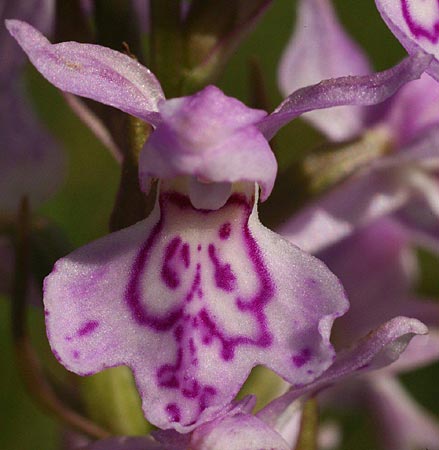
(173, 412)
(76, 354)
(302, 358)
(87, 328)
(225, 230)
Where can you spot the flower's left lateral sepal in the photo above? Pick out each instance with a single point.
(92, 71)
(191, 300)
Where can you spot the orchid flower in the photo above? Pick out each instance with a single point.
(365, 262)
(408, 127)
(198, 293)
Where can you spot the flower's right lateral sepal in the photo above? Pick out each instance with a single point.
(352, 90)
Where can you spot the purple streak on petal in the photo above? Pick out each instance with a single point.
(88, 328)
(354, 90)
(224, 277)
(92, 71)
(320, 49)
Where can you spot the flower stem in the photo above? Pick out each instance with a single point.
(309, 426)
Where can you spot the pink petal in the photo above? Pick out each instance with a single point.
(92, 71)
(191, 300)
(355, 90)
(320, 49)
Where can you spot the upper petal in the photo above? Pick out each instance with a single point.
(211, 137)
(191, 300)
(318, 50)
(353, 90)
(92, 71)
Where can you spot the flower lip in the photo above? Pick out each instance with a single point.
(211, 137)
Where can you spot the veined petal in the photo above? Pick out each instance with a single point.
(92, 71)
(191, 300)
(39, 13)
(402, 424)
(378, 349)
(353, 90)
(318, 50)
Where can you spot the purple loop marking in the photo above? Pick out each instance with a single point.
(417, 29)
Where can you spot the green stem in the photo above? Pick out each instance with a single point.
(309, 426)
